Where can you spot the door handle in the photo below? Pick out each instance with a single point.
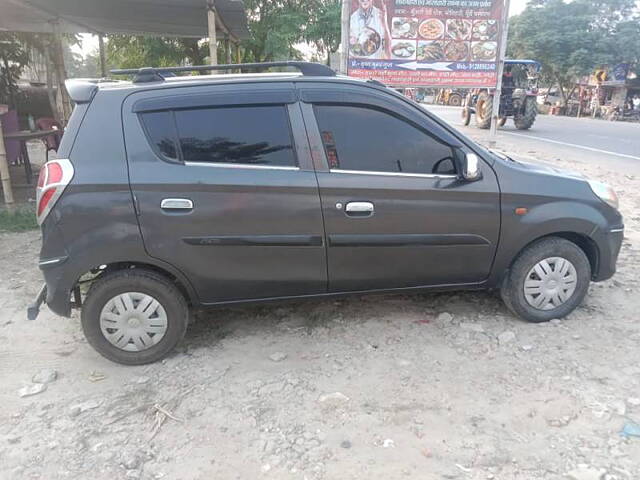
(359, 209)
(176, 204)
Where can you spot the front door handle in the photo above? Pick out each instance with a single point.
(176, 204)
(359, 209)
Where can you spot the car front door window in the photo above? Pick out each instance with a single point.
(358, 138)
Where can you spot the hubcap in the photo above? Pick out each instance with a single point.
(550, 283)
(133, 321)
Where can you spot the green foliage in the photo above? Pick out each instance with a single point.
(134, 51)
(275, 26)
(20, 219)
(13, 58)
(278, 27)
(323, 26)
(571, 39)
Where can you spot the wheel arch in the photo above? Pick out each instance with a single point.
(583, 241)
(181, 282)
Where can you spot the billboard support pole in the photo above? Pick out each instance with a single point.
(493, 130)
(344, 36)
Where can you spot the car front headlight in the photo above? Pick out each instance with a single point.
(605, 193)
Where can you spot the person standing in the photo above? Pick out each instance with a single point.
(367, 18)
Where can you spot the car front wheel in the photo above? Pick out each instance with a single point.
(549, 279)
(134, 316)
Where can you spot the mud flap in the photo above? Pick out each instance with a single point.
(34, 308)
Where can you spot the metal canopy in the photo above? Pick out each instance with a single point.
(181, 18)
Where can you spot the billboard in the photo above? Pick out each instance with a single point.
(452, 43)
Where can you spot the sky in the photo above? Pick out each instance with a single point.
(90, 42)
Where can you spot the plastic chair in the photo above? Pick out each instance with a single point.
(10, 124)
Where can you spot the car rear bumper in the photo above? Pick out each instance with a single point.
(58, 288)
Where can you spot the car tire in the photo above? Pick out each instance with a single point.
(122, 322)
(555, 276)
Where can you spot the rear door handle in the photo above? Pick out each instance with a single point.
(359, 209)
(176, 204)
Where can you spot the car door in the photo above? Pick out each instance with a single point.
(396, 212)
(225, 189)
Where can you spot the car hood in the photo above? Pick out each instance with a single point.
(551, 170)
(541, 167)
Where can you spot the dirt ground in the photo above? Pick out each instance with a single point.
(432, 386)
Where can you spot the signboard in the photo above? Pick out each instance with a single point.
(453, 43)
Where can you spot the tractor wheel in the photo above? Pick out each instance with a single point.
(455, 100)
(525, 120)
(466, 116)
(484, 107)
(502, 121)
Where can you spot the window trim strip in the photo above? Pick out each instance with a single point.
(241, 165)
(392, 174)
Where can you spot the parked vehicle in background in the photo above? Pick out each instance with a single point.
(451, 96)
(517, 98)
(172, 194)
(549, 96)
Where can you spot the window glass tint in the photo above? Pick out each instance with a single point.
(359, 138)
(161, 133)
(245, 135)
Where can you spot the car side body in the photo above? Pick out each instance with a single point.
(235, 233)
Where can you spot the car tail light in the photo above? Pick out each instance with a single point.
(53, 179)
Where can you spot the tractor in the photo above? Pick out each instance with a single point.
(517, 99)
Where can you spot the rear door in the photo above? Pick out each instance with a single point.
(226, 190)
(397, 214)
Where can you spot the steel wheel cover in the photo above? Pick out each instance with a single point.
(133, 321)
(550, 283)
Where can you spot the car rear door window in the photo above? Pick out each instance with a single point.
(252, 135)
(162, 133)
(367, 139)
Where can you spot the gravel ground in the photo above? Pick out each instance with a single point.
(424, 386)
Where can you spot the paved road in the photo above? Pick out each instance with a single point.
(616, 139)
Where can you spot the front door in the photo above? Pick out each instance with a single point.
(227, 193)
(396, 212)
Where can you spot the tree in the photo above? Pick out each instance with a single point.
(323, 26)
(276, 27)
(134, 51)
(571, 39)
(13, 58)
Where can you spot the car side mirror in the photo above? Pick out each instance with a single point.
(471, 167)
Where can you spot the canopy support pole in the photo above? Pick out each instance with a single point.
(4, 173)
(103, 56)
(213, 42)
(61, 74)
(493, 129)
(344, 35)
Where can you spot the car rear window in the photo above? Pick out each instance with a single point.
(247, 135)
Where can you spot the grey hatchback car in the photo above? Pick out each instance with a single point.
(178, 192)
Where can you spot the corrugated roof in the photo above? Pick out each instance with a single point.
(184, 18)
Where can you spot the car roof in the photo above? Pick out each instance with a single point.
(82, 90)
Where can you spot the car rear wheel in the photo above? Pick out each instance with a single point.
(134, 316)
(548, 280)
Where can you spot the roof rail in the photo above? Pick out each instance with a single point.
(151, 74)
